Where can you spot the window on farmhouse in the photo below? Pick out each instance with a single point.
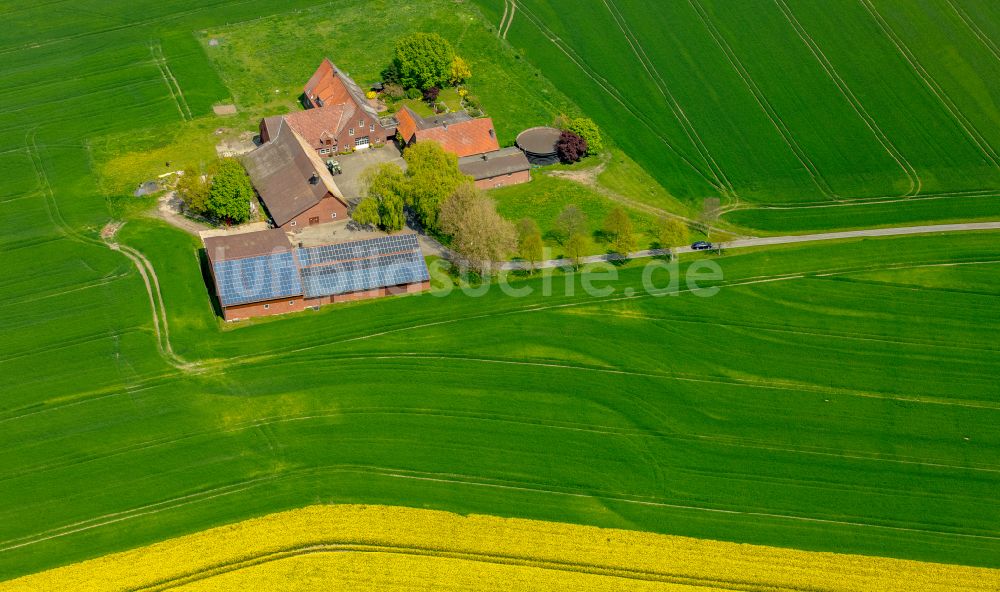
(371, 128)
(361, 123)
(351, 131)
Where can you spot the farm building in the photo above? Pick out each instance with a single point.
(338, 117)
(260, 273)
(296, 187)
(457, 132)
(539, 145)
(508, 166)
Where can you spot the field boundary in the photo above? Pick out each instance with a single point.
(634, 556)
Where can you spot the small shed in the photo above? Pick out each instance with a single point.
(539, 145)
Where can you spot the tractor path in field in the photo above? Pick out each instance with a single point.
(763, 242)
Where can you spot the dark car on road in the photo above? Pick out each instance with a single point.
(701, 246)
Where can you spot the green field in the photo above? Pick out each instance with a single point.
(784, 102)
(838, 397)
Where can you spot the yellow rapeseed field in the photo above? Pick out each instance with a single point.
(352, 547)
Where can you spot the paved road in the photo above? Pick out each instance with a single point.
(777, 240)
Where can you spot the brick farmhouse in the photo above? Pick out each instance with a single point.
(338, 117)
(293, 182)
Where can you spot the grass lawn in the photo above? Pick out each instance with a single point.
(836, 397)
(546, 196)
(449, 96)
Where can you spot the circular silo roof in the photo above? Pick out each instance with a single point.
(539, 140)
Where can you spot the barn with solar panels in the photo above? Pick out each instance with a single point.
(261, 273)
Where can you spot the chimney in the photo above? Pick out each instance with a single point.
(314, 179)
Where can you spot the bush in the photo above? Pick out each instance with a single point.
(431, 94)
(393, 91)
(371, 94)
(193, 190)
(413, 93)
(586, 129)
(571, 147)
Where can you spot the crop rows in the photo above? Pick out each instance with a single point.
(409, 549)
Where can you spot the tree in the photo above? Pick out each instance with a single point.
(618, 227)
(459, 71)
(571, 220)
(431, 94)
(710, 209)
(571, 147)
(386, 184)
(576, 247)
(527, 227)
(532, 249)
(193, 189)
(588, 130)
(231, 192)
(432, 176)
(478, 232)
(671, 232)
(367, 212)
(391, 212)
(422, 60)
(530, 245)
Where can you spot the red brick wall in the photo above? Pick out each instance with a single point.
(504, 180)
(276, 307)
(346, 141)
(324, 210)
(264, 309)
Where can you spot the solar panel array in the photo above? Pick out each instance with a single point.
(358, 249)
(256, 279)
(364, 274)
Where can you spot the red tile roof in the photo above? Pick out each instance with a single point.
(331, 86)
(315, 125)
(407, 124)
(475, 136)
